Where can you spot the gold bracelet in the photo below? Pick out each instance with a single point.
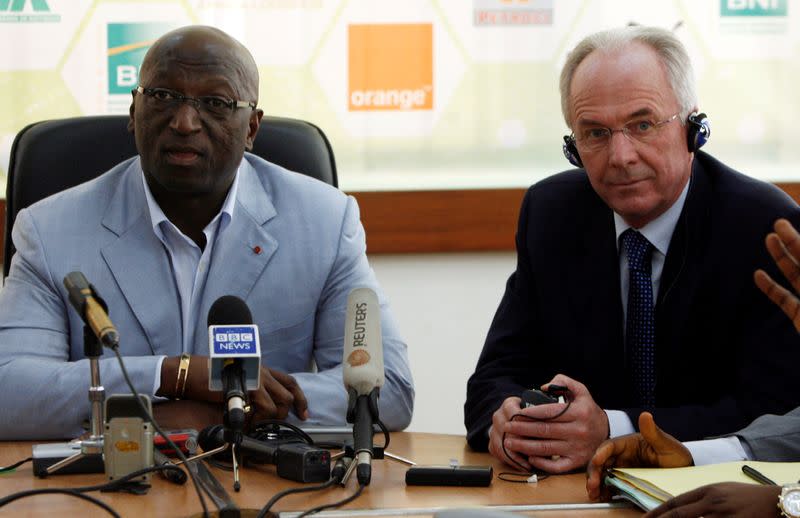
(183, 375)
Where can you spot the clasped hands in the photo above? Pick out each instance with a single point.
(276, 396)
(545, 440)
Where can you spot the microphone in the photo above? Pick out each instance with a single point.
(363, 373)
(91, 308)
(294, 460)
(234, 356)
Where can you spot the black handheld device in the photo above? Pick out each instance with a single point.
(534, 397)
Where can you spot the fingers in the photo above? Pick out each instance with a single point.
(558, 464)
(789, 236)
(654, 435)
(604, 457)
(500, 419)
(779, 295)
(278, 394)
(784, 247)
(300, 402)
(685, 505)
(507, 455)
(575, 387)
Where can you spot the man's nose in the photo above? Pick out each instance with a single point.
(621, 149)
(186, 118)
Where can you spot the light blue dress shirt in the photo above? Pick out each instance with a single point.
(189, 263)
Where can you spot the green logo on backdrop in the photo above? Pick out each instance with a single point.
(753, 7)
(26, 11)
(127, 45)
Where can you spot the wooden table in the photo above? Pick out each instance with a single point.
(387, 490)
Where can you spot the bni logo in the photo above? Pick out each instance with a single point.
(127, 45)
(754, 7)
(26, 11)
(390, 67)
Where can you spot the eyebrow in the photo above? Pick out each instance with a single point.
(638, 113)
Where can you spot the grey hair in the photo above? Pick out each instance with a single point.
(669, 48)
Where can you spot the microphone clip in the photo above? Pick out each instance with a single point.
(353, 404)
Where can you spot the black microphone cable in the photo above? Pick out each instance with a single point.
(158, 429)
(337, 475)
(14, 466)
(79, 281)
(335, 504)
(63, 491)
(540, 475)
(113, 485)
(80, 491)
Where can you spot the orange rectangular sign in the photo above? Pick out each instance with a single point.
(390, 67)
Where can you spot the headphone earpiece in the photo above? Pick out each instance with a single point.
(698, 131)
(571, 151)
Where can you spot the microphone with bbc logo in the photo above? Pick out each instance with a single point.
(234, 363)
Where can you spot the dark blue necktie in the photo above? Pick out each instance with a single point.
(641, 324)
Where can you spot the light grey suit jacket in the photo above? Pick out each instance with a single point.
(313, 253)
(774, 438)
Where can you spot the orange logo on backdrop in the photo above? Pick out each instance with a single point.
(391, 67)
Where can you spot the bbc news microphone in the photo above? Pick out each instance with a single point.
(234, 358)
(363, 373)
(91, 308)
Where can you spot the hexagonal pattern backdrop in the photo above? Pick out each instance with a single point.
(416, 93)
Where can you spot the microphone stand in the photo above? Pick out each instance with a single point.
(233, 419)
(93, 446)
(363, 431)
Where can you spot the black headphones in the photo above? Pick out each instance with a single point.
(697, 134)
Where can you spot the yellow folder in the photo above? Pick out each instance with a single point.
(649, 487)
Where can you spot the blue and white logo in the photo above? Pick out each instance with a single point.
(234, 341)
(229, 342)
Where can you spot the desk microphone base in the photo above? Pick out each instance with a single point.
(45, 455)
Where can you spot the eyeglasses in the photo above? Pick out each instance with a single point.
(637, 130)
(220, 107)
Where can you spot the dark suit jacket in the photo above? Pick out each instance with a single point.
(724, 353)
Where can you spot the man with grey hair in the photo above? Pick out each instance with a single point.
(625, 278)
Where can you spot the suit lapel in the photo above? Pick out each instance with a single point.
(681, 277)
(140, 265)
(595, 289)
(244, 248)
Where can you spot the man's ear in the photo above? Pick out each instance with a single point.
(252, 131)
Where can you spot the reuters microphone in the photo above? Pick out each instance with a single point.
(91, 308)
(234, 356)
(363, 373)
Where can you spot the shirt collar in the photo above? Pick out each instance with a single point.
(659, 231)
(157, 216)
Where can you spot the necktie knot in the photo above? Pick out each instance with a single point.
(639, 250)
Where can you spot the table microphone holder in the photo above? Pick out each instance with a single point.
(93, 446)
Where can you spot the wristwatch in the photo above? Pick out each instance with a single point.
(789, 501)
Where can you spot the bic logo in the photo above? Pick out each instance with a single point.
(754, 7)
(19, 5)
(127, 45)
(22, 11)
(390, 67)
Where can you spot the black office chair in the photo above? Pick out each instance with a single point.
(50, 156)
